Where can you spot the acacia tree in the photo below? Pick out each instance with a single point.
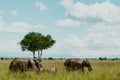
(26, 43)
(35, 41)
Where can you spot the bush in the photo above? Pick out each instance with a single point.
(50, 58)
(2, 58)
(102, 58)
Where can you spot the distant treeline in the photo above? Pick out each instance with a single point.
(51, 58)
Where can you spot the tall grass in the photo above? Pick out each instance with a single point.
(102, 70)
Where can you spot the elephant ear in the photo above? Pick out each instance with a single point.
(37, 63)
(31, 63)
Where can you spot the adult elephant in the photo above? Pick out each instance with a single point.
(20, 64)
(72, 64)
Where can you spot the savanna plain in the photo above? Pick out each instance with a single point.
(102, 70)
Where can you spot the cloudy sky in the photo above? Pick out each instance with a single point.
(81, 28)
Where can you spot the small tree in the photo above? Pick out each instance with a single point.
(35, 41)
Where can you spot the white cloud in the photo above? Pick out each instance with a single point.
(19, 27)
(67, 23)
(103, 36)
(98, 12)
(9, 46)
(41, 6)
(22, 27)
(13, 13)
(67, 3)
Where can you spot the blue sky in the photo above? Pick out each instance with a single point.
(81, 28)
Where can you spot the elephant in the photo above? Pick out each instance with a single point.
(72, 64)
(20, 64)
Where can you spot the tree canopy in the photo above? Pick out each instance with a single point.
(35, 41)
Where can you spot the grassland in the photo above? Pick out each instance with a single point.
(102, 70)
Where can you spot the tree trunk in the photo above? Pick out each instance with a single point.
(41, 55)
(33, 54)
(38, 54)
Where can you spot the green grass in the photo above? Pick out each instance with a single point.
(102, 70)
